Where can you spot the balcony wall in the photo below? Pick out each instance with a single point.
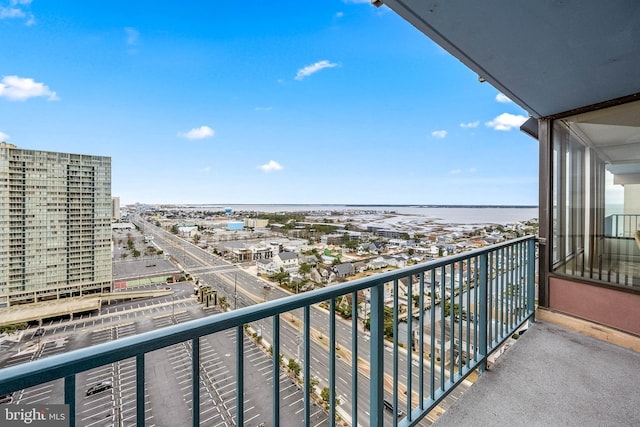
(608, 306)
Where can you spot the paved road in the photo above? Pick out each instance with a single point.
(243, 289)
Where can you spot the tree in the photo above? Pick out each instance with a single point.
(196, 238)
(351, 244)
(324, 394)
(313, 382)
(304, 268)
(174, 229)
(388, 322)
(456, 309)
(294, 366)
(281, 276)
(130, 244)
(10, 329)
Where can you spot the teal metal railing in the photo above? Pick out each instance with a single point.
(439, 321)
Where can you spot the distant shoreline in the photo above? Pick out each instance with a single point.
(338, 205)
(454, 206)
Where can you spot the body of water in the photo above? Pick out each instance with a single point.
(443, 214)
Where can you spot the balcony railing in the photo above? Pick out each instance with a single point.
(621, 225)
(457, 310)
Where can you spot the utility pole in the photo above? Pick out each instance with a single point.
(235, 291)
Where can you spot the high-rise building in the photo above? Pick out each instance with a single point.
(55, 225)
(115, 206)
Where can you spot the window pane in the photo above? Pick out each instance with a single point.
(596, 195)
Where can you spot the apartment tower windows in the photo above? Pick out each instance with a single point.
(55, 225)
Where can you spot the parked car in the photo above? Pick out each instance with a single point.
(5, 398)
(99, 387)
(39, 332)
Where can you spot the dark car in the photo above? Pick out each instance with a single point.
(99, 387)
(389, 406)
(39, 332)
(5, 398)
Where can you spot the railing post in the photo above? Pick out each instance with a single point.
(354, 359)
(240, 375)
(377, 355)
(484, 308)
(531, 278)
(70, 398)
(306, 366)
(140, 409)
(195, 382)
(275, 355)
(332, 363)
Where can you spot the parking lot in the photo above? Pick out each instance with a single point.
(106, 396)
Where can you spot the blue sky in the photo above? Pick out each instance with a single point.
(259, 102)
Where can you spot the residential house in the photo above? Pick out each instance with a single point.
(185, 229)
(360, 266)
(395, 261)
(267, 266)
(288, 261)
(367, 248)
(377, 263)
(343, 270)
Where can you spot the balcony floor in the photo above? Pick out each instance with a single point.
(554, 376)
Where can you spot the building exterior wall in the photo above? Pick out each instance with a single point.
(55, 224)
(617, 309)
(235, 225)
(256, 223)
(116, 209)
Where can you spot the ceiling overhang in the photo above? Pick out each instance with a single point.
(548, 56)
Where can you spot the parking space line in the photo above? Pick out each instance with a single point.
(252, 418)
(290, 395)
(32, 401)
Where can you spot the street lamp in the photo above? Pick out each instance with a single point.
(235, 291)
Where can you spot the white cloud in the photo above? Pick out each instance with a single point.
(440, 134)
(473, 170)
(506, 122)
(17, 88)
(264, 108)
(455, 171)
(339, 14)
(271, 166)
(470, 124)
(10, 12)
(314, 68)
(198, 133)
(16, 11)
(3, 136)
(501, 97)
(132, 35)
(206, 169)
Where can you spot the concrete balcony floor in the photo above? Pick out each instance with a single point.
(556, 376)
